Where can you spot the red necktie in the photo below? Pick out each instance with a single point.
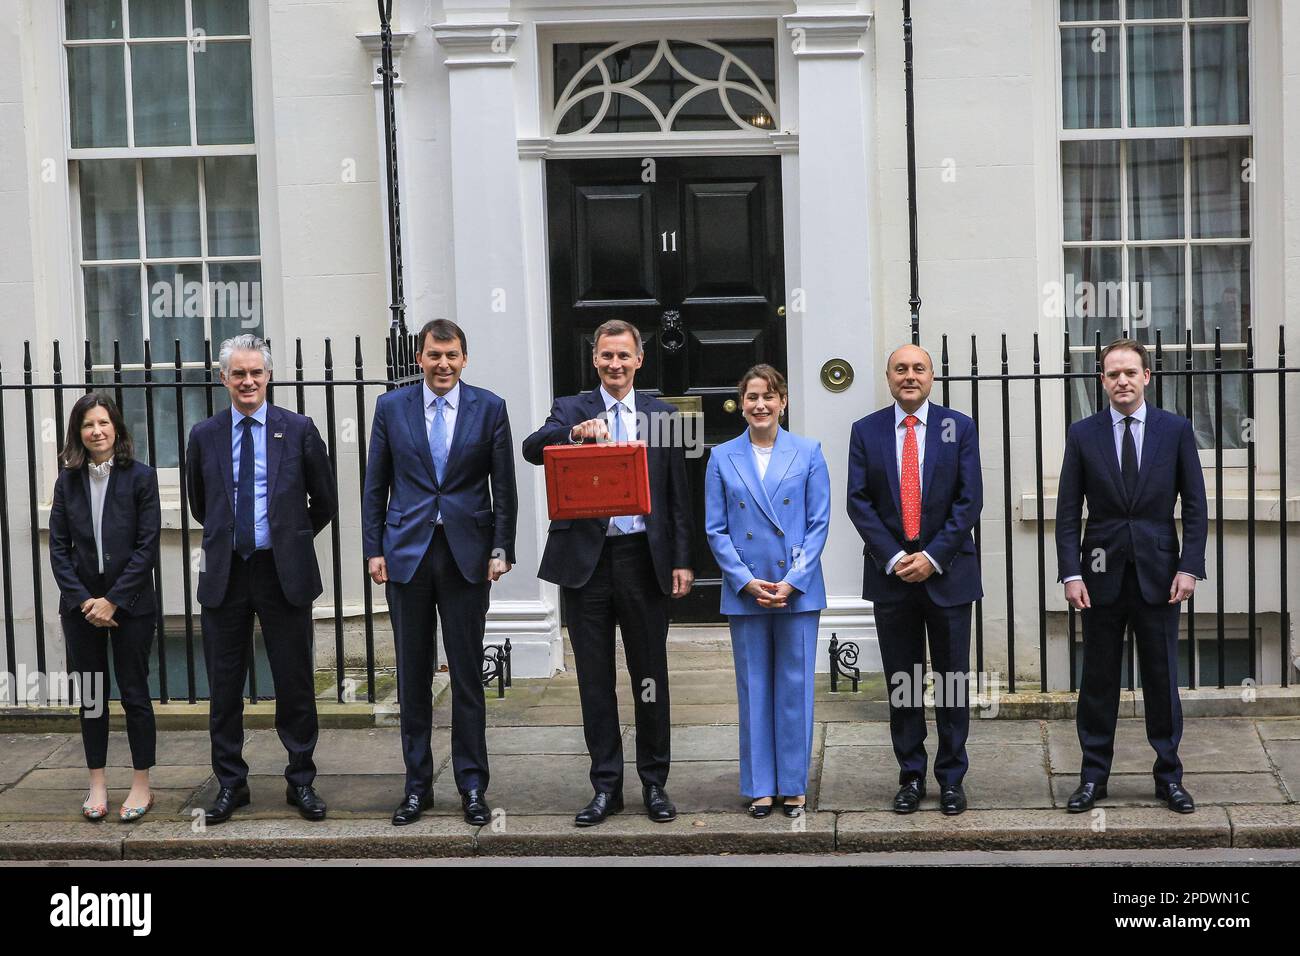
(911, 489)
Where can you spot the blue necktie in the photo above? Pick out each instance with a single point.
(622, 522)
(245, 535)
(438, 438)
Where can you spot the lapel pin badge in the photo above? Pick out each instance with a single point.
(279, 434)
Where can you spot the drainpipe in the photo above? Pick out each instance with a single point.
(397, 321)
(914, 301)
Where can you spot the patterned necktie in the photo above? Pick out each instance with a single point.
(623, 522)
(438, 438)
(245, 532)
(1128, 458)
(911, 486)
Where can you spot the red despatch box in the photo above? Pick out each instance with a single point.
(597, 480)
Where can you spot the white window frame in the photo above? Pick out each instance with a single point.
(1123, 134)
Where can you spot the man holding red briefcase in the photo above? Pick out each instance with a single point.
(621, 571)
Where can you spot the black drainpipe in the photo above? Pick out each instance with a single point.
(397, 321)
(914, 301)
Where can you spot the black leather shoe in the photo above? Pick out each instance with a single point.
(952, 800)
(601, 806)
(307, 800)
(411, 807)
(477, 811)
(229, 799)
(793, 810)
(759, 810)
(658, 807)
(1175, 797)
(1085, 797)
(909, 796)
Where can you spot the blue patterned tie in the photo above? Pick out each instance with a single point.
(245, 533)
(623, 522)
(438, 438)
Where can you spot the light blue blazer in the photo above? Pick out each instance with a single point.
(774, 529)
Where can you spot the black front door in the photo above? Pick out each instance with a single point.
(689, 250)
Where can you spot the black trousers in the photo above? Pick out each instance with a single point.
(88, 656)
(622, 591)
(254, 588)
(1156, 630)
(439, 590)
(902, 627)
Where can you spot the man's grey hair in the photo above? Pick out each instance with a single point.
(247, 342)
(890, 361)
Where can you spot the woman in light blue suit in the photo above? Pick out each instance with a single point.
(767, 510)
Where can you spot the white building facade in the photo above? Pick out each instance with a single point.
(731, 176)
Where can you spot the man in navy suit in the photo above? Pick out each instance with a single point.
(260, 483)
(915, 493)
(621, 571)
(1130, 461)
(438, 519)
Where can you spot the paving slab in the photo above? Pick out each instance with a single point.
(183, 748)
(1285, 755)
(299, 839)
(65, 805)
(20, 753)
(1120, 828)
(1280, 728)
(504, 741)
(703, 742)
(119, 778)
(346, 795)
(1027, 732)
(866, 778)
(1209, 745)
(61, 841)
(1265, 826)
(634, 833)
(1138, 789)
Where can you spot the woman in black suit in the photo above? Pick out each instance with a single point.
(104, 527)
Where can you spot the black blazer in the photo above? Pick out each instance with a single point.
(301, 500)
(130, 526)
(1142, 529)
(573, 546)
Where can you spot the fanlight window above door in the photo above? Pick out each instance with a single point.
(664, 86)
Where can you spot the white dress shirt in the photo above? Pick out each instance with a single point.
(628, 418)
(900, 436)
(99, 475)
(448, 416)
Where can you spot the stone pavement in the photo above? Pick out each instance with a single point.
(1244, 772)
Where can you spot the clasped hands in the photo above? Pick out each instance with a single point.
(770, 594)
(913, 568)
(99, 612)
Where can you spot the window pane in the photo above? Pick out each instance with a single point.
(171, 208)
(160, 89)
(176, 310)
(221, 17)
(1093, 294)
(223, 92)
(113, 312)
(1220, 191)
(93, 19)
(1154, 9)
(1234, 399)
(1218, 8)
(1220, 292)
(231, 185)
(157, 18)
(1155, 188)
(1221, 74)
(96, 96)
(1090, 180)
(235, 291)
(1155, 76)
(1090, 78)
(1089, 9)
(109, 226)
(1156, 301)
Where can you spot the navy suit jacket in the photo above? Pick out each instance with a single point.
(130, 525)
(1142, 529)
(573, 546)
(300, 501)
(952, 494)
(402, 497)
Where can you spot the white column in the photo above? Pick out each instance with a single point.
(491, 302)
(830, 313)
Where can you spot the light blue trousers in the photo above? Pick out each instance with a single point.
(775, 655)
